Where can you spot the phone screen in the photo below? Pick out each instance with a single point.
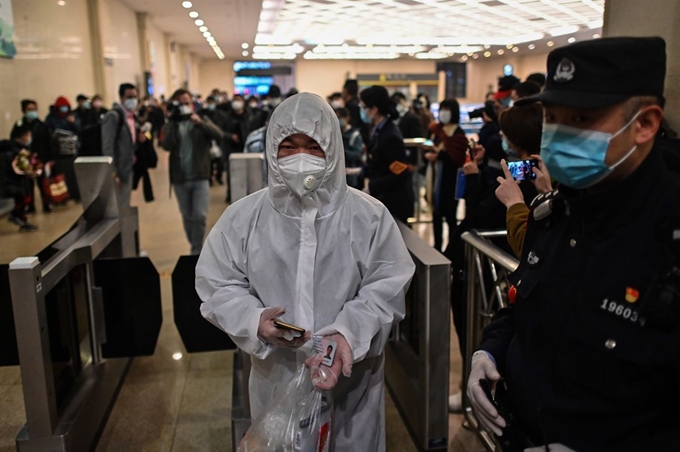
(523, 169)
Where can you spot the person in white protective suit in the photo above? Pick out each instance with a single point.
(316, 254)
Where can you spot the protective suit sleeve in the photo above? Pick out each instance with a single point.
(229, 302)
(367, 319)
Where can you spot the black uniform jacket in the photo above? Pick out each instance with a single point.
(583, 365)
(390, 179)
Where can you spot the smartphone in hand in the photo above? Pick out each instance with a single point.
(523, 169)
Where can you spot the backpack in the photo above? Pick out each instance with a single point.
(91, 136)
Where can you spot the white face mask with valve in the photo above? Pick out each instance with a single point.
(302, 173)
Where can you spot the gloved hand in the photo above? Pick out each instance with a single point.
(324, 377)
(276, 336)
(483, 368)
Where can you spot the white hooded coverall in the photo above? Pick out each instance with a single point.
(334, 259)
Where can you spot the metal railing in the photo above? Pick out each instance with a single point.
(487, 285)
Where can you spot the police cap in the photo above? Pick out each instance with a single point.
(603, 72)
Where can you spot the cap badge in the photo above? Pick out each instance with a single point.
(565, 71)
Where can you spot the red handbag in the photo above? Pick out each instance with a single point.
(55, 188)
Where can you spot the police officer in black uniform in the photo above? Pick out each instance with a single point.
(589, 351)
(388, 171)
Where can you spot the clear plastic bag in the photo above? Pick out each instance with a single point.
(298, 419)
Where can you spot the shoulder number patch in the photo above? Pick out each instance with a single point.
(398, 167)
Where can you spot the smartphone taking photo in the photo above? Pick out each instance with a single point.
(523, 169)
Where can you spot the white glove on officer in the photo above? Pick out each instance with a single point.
(276, 336)
(484, 368)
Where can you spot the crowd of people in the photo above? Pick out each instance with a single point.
(586, 349)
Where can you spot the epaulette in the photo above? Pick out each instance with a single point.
(542, 205)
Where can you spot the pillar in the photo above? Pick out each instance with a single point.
(651, 18)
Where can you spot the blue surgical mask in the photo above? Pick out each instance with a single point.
(512, 154)
(211, 106)
(576, 157)
(364, 116)
(87, 105)
(64, 109)
(343, 123)
(32, 115)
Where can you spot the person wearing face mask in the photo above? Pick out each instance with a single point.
(17, 172)
(84, 116)
(121, 135)
(408, 123)
(588, 346)
(98, 106)
(278, 253)
(239, 122)
(503, 97)
(41, 145)
(335, 100)
(353, 146)
(272, 100)
(387, 169)
(188, 138)
(65, 142)
(447, 156)
(421, 107)
(221, 120)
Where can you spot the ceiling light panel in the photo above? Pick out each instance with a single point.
(423, 22)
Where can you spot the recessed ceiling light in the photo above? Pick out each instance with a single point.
(501, 51)
(571, 40)
(245, 53)
(509, 46)
(199, 22)
(551, 43)
(61, 3)
(515, 49)
(193, 14)
(464, 58)
(207, 34)
(487, 54)
(475, 56)
(532, 46)
(487, 46)
(203, 29)
(596, 36)
(187, 5)
(244, 45)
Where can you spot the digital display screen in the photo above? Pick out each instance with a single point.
(252, 85)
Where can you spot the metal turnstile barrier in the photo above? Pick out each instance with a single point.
(487, 285)
(246, 174)
(416, 146)
(417, 354)
(63, 321)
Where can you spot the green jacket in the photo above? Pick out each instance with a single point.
(202, 135)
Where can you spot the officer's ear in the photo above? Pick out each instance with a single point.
(647, 124)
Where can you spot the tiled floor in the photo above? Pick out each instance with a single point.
(170, 404)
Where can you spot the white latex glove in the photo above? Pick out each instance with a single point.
(277, 336)
(324, 377)
(483, 368)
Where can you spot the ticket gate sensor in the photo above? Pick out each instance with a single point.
(417, 354)
(246, 174)
(64, 321)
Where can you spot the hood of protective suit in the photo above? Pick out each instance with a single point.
(311, 115)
